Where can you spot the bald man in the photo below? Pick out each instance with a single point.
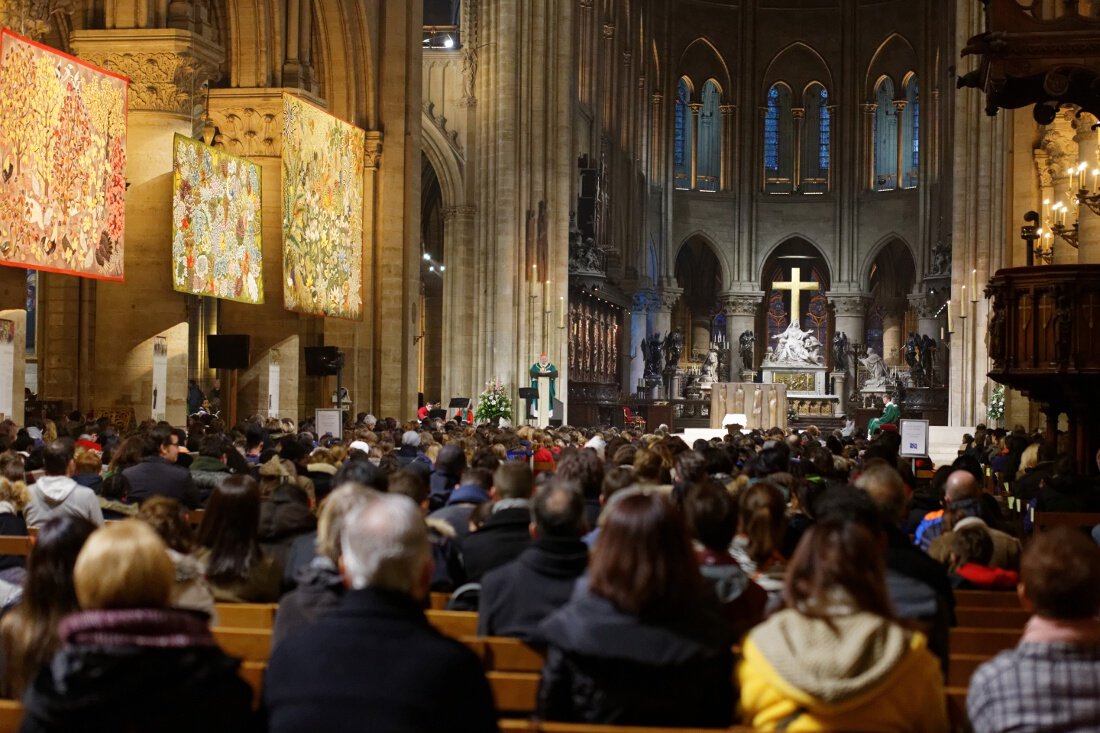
(963, 501)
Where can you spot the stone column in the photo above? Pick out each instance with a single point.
(798, 116)
(460, 333)
(696, 109)
(639, 307)
(726, 183)
(927, 307)
(868, 111)
(850, 310)
(899, 110)
(740, 310)
(666, 300)
(893, 325)
(164, 66)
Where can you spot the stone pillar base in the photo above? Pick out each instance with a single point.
(839, 382)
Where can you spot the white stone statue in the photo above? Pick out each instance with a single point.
(795, 347)
(876, 371)
(709, 372)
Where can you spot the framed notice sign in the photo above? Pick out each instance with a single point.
(914, 438)
(330, 422)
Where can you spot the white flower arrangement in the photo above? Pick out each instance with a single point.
(996, 410)
(494, 402)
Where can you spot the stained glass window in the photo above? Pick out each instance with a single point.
(911, 134)
(771, 131)
(885, 137)
(824, 131)
(682, 141)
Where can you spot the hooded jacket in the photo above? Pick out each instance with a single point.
(606, 666)
(856, 671)
(138, 669)
(53, 496)
(320, 590)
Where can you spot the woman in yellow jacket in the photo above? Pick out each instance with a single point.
(837, 659)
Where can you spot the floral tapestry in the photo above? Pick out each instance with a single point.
(322, 212)
(216, 223)
(62, 162)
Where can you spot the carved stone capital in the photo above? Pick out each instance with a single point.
(31, 18)
(644, 300)
(168, 68)
(608, 31)
(741, 304)
(372, 155)
(868, 108)
(249, 121)
(926, 305)
(667, 298)
(453, 212)
(849, 305)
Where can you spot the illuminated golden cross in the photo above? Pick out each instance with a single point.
(796, 285)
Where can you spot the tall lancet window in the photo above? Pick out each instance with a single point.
(885, 137)
(710, 139)
(778, 141)
(682, 134)
(910, 134)
(816, 140)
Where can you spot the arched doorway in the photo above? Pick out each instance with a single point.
(429, 337)
(890, 280)
(698, 315)
(795, 266)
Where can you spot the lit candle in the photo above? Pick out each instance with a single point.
(942, 334)
(962, 302)
(561, 312)
(1095, 176)
(974, 283)
(950, 318)
(546, 296)
(534, 280)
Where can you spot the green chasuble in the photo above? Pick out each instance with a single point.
(547, 368)
(890, 416)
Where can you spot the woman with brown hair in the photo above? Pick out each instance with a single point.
(761, 525)
(190, 591)
(237, 569)
(642, 642)
(28, 634)
(837, 658)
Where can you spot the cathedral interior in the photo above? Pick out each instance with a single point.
(651, 192)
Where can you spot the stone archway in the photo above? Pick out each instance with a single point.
(890, 279)
(795, 260)
(698, 313)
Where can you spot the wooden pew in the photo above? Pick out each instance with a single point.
(15, 545)
(986, 642)
(535, 726)
(438, 601)
(987, 598)
(1077, 520)
(194, 517)
(515, 692)
(251, 645)
(455, 624)
(986, 616)
(11, 716)
(956, 708)
(253, 674)
(503, 654)
(247, 615)
(961, 668)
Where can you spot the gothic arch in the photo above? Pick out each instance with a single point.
(766, 255)
(798, 65)
(701, 61)
(445, 161)
(705, 238)
(868, 260)
(894, 58)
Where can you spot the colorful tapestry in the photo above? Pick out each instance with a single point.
(216, 223)
(62, 162)
(322, 212)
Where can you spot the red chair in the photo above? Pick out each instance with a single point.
(630, 418)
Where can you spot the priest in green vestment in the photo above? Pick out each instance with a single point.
(543, 369)
(890, 416)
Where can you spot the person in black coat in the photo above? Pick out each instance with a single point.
(128, 662)
(643, 641)
(506, 533)
(516, 597)
(158, 474)
(375, 663)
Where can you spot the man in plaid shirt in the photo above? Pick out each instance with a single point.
(1051, 680)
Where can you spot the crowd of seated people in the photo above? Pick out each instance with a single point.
(785, 580)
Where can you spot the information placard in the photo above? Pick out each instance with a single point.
(914, 438)
(330, 422)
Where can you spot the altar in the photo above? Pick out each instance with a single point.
(796, 362)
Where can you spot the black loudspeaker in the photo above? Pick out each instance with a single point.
(227, 351)
(321, 361)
